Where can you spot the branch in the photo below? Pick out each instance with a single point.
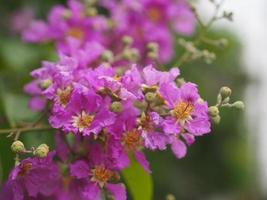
(25, 129)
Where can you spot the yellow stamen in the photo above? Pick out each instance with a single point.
(154, 14)
(64, 95)
(132, 140)
(101, 175)
(82, 121)
(182, 111)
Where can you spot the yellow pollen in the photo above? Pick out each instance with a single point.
(101, 175)
(154, 14)
(76, 32)
(64, 95)
(182, 111)
(82, 121)
(131, 140)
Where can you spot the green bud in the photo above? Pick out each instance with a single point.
(127, 41)
(213, 111)
(222, 42)
(91, 11)
(152, 55)
(17, 147)
(107, 56)
(67, 14)
(216, 119)
(150, 96)
(46, 83)
(239, 105)
(116, 107)
(41, 151)
(152, 46)
(170, 197)
(225, 92)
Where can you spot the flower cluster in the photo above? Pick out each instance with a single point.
(110, 105)
(146, 21)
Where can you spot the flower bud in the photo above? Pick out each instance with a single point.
(213, 111)
(67, 14)
(152, 46)
(170, 197)
(239, 105)
(107, 56)
(41, 151)
(116, 107)
(45, 83)
(150, 96)
(17, 147)
(225, 92)
(127, 41)
(216, 119)
(91, 11)
(152, 55)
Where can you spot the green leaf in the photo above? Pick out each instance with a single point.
(16, 109)
(138, 182)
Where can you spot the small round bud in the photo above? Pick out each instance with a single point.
(135, 54)
(116, 107)
(150, 96)
(67, 14)
(239, 105)
(107, 56)
(45, 83)
(213, 111)
(41, 151)
(127, 41)
(152, 55)
(152, 46)
(91, 11)
(170, 197)
(222, 43)
(225, 92)
(216, 119)
(17, 147)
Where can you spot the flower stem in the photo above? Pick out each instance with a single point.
(25, 129)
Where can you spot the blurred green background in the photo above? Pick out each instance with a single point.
(217, 166)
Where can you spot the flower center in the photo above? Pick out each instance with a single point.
(154, 14)
(146, 123)
(82, 121)
(182, 111)
(132, 140)
(101, 175)
(25, 168)
(76, 32)
(64, 95)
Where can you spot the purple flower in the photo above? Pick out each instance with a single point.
(189, 115)
(33, 177)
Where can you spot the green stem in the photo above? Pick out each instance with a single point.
(25, 129)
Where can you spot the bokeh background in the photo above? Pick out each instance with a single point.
(230, 163)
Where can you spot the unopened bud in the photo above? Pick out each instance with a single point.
(170, 197)
(127, 40)
(45, 83)
(222, 42)
(225, 92)
(91, 11)
(213, 111)
(152, 46)
(67, 14)
(150, 96)
(41, 151)
(152, 55)
(116, 107)
(17, 147)
(107, 56)
(216, 119)
(239, 105)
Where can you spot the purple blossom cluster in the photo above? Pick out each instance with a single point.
(146, 21)
(109, 111)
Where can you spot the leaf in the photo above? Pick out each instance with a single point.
(138, 181)
(16, 109)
